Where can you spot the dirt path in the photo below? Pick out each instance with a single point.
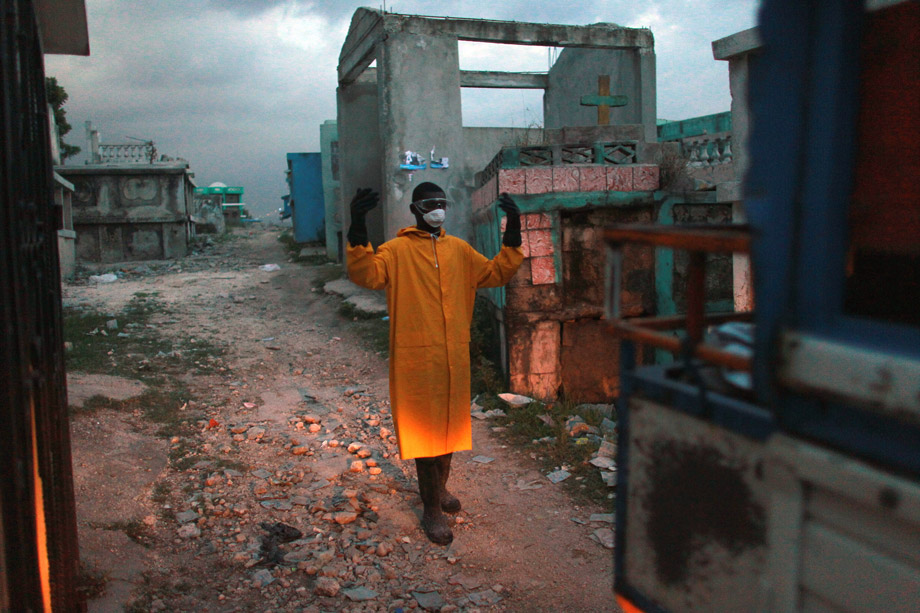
(294, 427)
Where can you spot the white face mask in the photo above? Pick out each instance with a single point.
(435, 218)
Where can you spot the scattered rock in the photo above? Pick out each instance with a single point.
(186, 516)
(430, 601)
(260, 473)
(344, 517)
(356, 466)
(483, 459)
(262, 578)
(484, 598)
(602, 517)
(468, 583)
(326, 586)
(604, 536)
(189, 531)
(359, 594)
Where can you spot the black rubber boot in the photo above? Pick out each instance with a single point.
(449, 502)
(434, 523)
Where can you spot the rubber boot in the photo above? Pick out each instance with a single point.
(434, 523)
(449, 502)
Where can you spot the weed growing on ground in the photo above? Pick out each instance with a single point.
(91, 582)
(134, 529)
(293, 249)
(525, 426)
(485, 353)
(375, 333)
(324, 274)
(348, 310)
(160, 493)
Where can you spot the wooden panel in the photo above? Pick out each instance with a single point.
(872, 525)
(847, 573)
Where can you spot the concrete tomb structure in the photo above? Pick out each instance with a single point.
(595, 163)
(126, 211)
(411, 101)
(130, 205)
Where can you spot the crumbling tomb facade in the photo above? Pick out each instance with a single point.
(124, 212)
(598, 160)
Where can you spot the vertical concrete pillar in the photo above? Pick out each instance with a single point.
(332, 193)
(359, 149)
(420, 109)
(740, 50)
(648, 93)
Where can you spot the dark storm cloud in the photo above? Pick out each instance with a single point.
(233, 85)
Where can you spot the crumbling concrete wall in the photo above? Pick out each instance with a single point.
(131, 212)
(359, 148)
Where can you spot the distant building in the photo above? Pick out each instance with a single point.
(230, 199)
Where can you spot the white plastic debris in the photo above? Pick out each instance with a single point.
(558, 475)
(269, 267)
(516, 400)
(106, 278)
(603, 462)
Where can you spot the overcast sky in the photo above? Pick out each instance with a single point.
(233, 85)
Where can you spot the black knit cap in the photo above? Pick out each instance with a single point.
(425, 188)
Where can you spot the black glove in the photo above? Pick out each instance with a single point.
(512, 237)
(365, 199)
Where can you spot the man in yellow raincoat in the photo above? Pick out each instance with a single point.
(431, 280)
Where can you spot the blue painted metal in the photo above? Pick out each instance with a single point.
(806, 81)
(308, 212)
(804, 101)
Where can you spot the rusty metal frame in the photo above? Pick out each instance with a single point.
(698, 240)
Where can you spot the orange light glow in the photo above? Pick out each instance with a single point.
(627, 606)
(41, 537)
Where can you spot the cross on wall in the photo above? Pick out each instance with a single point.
(603, 100)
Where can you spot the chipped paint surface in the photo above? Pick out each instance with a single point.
(697, 495)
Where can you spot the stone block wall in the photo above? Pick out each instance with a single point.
(557, 341)
(131, 212)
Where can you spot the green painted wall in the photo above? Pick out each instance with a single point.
(695, 126)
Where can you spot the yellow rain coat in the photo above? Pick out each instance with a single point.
(431, 283)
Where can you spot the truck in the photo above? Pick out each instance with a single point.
(779, 470)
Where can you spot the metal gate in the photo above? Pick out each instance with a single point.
(39, 558)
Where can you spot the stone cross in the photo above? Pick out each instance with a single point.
(603, 100)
